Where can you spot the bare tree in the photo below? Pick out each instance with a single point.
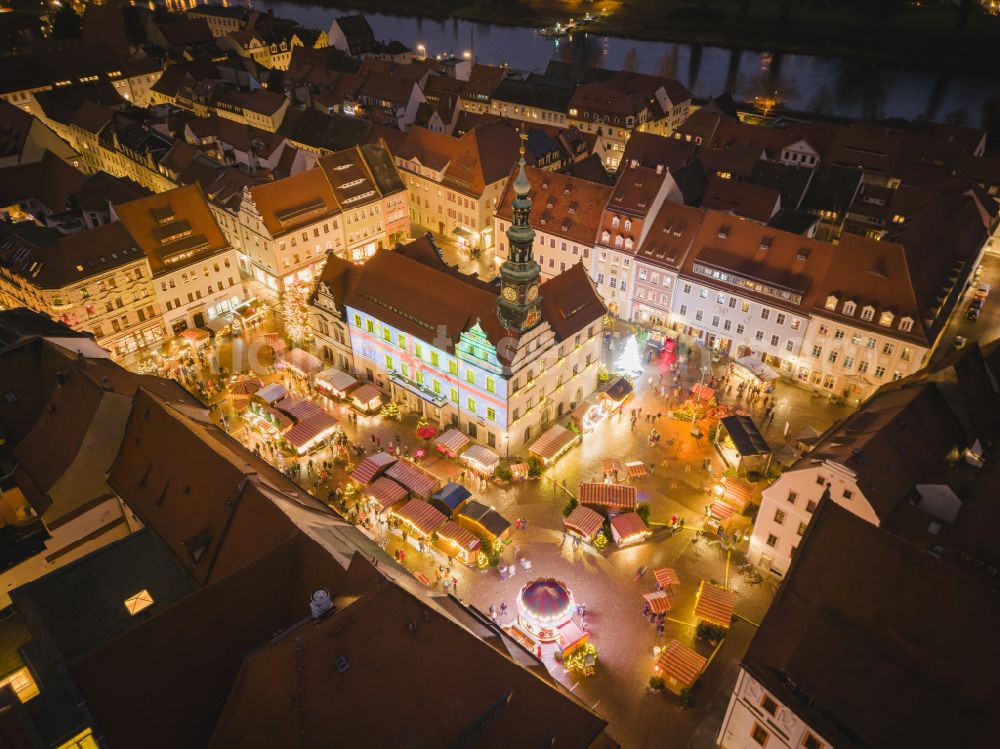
(669, 63)
(631, 62)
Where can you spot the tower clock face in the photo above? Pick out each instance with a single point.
(532, 293)
(510, 293)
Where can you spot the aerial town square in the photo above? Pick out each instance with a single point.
(563, 373)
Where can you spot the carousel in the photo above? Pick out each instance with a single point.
(543, 607)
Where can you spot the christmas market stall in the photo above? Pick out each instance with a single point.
(613, 497)
(196, 338)
(616, 395)
(372, 467)
(367, 398)
(266, 421)
(484, 521)
(555, 442)
(742, 445)
(451, 442)
(679, 666)
(587, 415)
(458, 542)
(301, 363)
(334, 382)
(659, 602)
(753, 371)
(666, 578)
(312, 424)
(715, 605)
(383, 494)
(543, 606)
(628, 528)
(248, 314)
(636, 469)
(419, 518)
(570, 637)
(418, 482)
(481, 459)
(584, 523)
(450, 498)
(271, 394)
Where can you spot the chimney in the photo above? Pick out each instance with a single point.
(320, 604)
(635, 163)
(659, 168)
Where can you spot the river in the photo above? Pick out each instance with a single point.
(849, 88)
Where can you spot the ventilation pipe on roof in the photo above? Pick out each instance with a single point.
(320, 604)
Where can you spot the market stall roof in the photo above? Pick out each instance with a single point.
(680, 663)
(271, 393)
(366, 394)
(414, 478)
(463, 537)
(737, 492)
(614, 496)
(313, 427)
(424, 518)
(452, 440)
(659, 602)
(370, 466)
(745, 435)
(619, 390)
(555, 439)
(386, 492)
(495, 523)
(609, 465)
(284, 423)
(196, 335)
(336, 379)
(760, 370)
(218, 322)
(580, 411)
(584, 521)
(569, 634)
(482, 457)
(721, 510)
(628, 524)
(715, 605)
(702, 392)
(245, 386)
(452, 495)
(666, 577)
(636, 469)
(545, 600)
(302, 361)
(297, 408)
(276, 342)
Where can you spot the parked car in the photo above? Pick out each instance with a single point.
(960, 341)
(983, 291)
(977, 303)
(972, 314)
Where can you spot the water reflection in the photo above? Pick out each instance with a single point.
(854, 88)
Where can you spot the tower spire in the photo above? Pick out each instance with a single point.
(518, 305)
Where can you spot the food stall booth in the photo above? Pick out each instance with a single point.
(458, 542)
(583, 523)
(553, 444)
(679, 666)
(334, 382)
(628, 528)
(366, 398)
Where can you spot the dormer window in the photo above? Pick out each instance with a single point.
(605, 236)
(831, 303)
(868, 313)
(850, 308)
(628, 224)
(615, 221)
(628, 244)
(618, 241)
(885, 319)
(723, 232)
(906, 325)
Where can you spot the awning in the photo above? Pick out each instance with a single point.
(421, 516)
(702, 392)
(758, 369)
(721, 510)
(584, 521)
(462, 537)
(569, 634)
(196, 335)
(715, 605)
(416, 479)
(302, 361)
(385, 492)
(554, 441)
(481, 458)
(369, 467)
(636, 469)
(452, 441)
(615, 496)
(628, 525)
(335, 379)
(276, 342)
(463, 233)
(610, 465)
(680, 663)
(271, 393)
(659, 602)
(311, 429)
(666, 577)
(737, 492)
(366, 395)
(519, 470)
(245, 386)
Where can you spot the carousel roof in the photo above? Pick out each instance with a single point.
(546, 599)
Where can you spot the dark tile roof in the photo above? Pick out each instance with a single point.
(325, 132)
(50, 181)
(540, 93)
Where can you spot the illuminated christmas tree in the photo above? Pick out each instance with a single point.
(390, 410)
(295, 311)
(629, 362)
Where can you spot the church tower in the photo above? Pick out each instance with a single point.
(519, 303)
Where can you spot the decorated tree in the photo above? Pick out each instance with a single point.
(295, 311)
(390, 410)
(629, 362)
(602, 372)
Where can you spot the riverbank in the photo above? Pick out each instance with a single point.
(913, 36)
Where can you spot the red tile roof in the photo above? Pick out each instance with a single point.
(715, 605)
(424, 517)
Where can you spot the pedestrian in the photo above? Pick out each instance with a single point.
(524, 524)
(454, 584)
(503, 609)
(563, 541)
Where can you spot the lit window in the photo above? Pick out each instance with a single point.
(23, 684)
(139, 602)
